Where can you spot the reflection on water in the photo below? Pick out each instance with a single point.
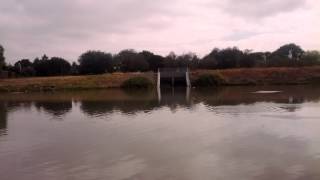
(228, 133)
(175, 98)
(54, 108)
(3, 118)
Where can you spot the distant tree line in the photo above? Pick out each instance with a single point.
(98, 62)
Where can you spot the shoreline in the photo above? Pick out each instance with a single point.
(233, 77)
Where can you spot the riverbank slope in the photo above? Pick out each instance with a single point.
(252, 76)
(265, 76)
(103, 81)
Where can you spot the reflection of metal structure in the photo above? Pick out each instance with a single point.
(173, 77)
(174, 96)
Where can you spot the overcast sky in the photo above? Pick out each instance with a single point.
(67, 28)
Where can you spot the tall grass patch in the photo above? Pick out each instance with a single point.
(137, 83)
(209, 80)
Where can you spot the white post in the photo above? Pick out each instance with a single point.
(158, 86)
(158, 78)
(188, 78)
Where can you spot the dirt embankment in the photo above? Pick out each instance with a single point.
(253, 76)
(104, 81)
(265, 76)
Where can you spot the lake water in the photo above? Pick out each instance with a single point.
(234, 133)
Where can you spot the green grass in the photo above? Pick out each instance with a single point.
(209, 80)
(137, 83)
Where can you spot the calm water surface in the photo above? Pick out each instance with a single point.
(236, 133)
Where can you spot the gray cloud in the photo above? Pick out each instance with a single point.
(80, 15)
(253, 9)
(67, 28)
(29, 26)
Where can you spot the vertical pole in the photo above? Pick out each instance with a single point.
(172, 81)
(188, 94)
(188, 78)
(158, 79)
(158, 85)
(159, 94)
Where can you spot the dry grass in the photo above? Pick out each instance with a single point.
(254, 76)
(266, 76)
(104, 81)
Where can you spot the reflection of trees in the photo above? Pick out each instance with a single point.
(132, 101)
(246, 95)
(3, 118)
(104, 101)
(15, 105)
(127, 107)
(55, 108)
(7, 107)
(135, 101)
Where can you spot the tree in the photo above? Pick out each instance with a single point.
(311, 58)
(187, 60)
(223, 59)
(2, 58)
(229, 58)
(253, 59)
(170, 60)
(41, 66)
(95, 62)
(24, 63)
(131, 61)
(195, 61)
(286, 55)
(209, 61)
(291, 51)
(45, 57)
(260, 58)
(24, 67)
(154, 61)
(74, 68)
(58, 66)
(51, 67)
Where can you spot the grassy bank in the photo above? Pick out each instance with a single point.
(104, 81)
(254, 76)
(265, 76)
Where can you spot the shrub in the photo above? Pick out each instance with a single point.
(207, 80)
(137, 83)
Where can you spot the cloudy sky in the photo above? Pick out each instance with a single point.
(66, 28)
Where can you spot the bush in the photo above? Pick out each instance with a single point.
(207, 80)
(137, 83)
